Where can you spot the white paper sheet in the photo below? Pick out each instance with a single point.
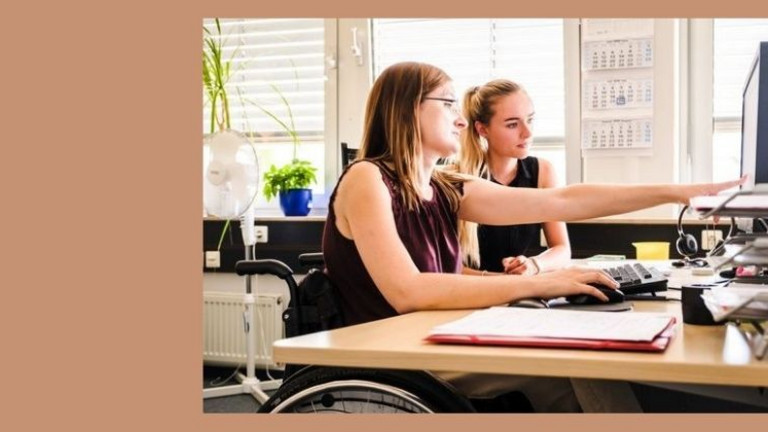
(721, 301)
(756, 202)
(518, 322)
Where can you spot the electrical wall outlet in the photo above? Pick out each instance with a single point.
(710, 238)
(262, 234)
(212, 259)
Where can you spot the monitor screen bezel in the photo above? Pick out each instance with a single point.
(758, 102)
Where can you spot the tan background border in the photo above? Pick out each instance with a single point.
(101, 180)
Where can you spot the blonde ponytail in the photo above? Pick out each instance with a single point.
(473, 154)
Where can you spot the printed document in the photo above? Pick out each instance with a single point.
(549, 323)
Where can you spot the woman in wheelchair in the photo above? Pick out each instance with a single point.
(391, 243)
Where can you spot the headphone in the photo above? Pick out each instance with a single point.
(686, 244)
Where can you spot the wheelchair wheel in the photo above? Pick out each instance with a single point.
(343, 390)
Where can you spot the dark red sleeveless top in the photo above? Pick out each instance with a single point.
(429, 235)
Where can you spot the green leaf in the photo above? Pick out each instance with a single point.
(216, 74)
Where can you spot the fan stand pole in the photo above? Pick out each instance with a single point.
(249, 384)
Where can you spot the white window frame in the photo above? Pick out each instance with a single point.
(572, 65)
(331, 132)
(354, 81)
(697, 161)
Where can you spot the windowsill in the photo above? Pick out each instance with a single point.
(272, 215)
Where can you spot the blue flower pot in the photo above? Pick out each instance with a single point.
(296, 202)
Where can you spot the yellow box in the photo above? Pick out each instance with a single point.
(652, 250)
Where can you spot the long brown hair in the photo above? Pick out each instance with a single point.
(478, 106)
(392, 131)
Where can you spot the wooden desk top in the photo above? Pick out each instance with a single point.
(697, 354)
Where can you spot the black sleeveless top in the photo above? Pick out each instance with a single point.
(430, 236)
(498, 242)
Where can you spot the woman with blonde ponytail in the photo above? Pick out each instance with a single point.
(495, 146)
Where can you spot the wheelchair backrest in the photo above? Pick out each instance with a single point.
(314, 307)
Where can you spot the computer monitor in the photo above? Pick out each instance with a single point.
(754, 122)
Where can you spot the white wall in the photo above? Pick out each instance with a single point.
(662, 165)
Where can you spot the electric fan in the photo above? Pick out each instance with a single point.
(230, 185)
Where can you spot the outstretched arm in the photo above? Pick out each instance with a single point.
(492, 204)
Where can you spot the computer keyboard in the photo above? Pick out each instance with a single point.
(638, 279)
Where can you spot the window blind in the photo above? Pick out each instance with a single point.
(474, 51)
(285, 53)
(734, 48)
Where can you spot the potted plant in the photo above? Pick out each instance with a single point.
(291, 181)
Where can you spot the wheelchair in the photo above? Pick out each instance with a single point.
(319, 389)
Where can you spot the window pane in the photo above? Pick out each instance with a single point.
(726, 147)
(735, 45)
(474, 51)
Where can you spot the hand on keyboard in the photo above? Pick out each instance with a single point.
(638, 279)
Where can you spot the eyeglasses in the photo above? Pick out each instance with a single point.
(452, 104)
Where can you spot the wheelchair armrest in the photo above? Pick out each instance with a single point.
(311, 259)
(264, 266)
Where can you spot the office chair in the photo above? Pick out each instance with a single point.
(348, 154)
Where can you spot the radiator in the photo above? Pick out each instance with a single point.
(223, 334)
